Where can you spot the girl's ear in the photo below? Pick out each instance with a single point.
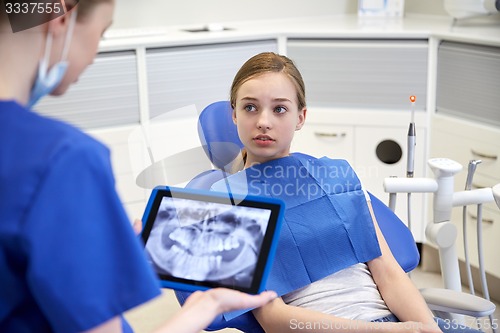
(301, 119)
(234, 116)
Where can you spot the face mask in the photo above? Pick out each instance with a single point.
(48, 79)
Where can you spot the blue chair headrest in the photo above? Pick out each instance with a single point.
(218, 134)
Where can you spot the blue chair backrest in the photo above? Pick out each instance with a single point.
(216, 128)
(218, 134)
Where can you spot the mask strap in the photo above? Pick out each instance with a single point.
(48, 47)
(67, 40)
(69, 34)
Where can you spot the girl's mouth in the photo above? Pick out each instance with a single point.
(263, 140)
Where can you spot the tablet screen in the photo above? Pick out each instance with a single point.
(198, 240)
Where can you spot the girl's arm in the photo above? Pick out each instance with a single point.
(278, 317)
(398, 291)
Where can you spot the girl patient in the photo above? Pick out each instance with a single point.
(370, 293)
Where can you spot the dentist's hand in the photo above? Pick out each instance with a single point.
(223, 300)
(137, 225)
(202, 307)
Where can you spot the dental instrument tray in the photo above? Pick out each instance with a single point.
(196, 240)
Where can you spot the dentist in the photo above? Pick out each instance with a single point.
(69, 259)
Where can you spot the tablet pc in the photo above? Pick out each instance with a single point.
(196, 240)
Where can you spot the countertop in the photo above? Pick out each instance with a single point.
(484, 30)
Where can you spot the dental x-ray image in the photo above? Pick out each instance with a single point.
(207, 241)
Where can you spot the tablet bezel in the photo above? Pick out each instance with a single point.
(269, 242)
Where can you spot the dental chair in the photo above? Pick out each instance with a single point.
(220, 141)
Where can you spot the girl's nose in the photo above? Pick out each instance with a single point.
(264, 121)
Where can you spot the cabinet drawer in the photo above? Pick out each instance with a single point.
(464, 142)
(325, 140)
(489, 155)
(107, 94)
(199, 75)
(338, 72)
(468, 81)
(456, 148)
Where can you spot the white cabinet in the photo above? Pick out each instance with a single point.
(325, 140)
(463, 141)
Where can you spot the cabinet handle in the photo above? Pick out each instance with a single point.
(483, 155)
(472, 216)
(330, 135)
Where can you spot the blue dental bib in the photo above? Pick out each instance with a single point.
(327, 225)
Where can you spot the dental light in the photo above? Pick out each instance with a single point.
(469, 8)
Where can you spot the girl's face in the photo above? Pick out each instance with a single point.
(84, 43)
(267, 116)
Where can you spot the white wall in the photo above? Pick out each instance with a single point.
(143, 13)
(428, 7)
(136, 13)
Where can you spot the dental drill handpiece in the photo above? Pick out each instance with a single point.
(411, 142)
(470, 173)
(468, 186)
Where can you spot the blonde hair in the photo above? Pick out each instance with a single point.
(262, 63)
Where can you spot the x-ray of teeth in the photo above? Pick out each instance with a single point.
(207, 241)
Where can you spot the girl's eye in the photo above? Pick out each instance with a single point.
(250, 108)
(280, 109)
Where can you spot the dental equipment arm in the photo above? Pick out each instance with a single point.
(465, 198)
(443, 233)
(393, 185)
(452, 301)
(478, 197)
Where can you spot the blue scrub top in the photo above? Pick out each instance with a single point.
(69, 259)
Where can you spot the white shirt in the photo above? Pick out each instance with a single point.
(350, 293)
